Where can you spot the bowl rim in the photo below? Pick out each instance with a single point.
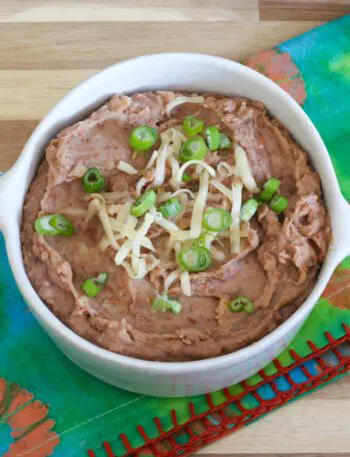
(62, 331)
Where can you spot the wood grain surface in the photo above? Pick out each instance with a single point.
(48, 46)
(304, 10)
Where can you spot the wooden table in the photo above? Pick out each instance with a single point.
(48, 46)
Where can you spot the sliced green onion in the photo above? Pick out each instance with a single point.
(93, 286)
(192, 126)
(249, 307)
(217, 219)
(278, 203)
(171, 208)
(194, 259)
(225, 142)
(269, 189)
(212, 135)
(235, 306)
(204, 240)
(144, 203)
(53, 225)
(248, 209)
(193, 149)
(241, 304)
(164, 303)
(143, 137)
(93, 181)
(186, 177)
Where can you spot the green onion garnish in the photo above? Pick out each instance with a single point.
(241, 304)
(225, 142)
(186, 177)
(204, 240)
(171, 208)
(165, 303)
(193, 149)
(278, 203)
(212, 135)
(248, 209)
(143, 137)
(194, 259)
(144, 203)
(93, 286)
(216, 219)
(53, 225)
(269, 189)
(93, 181)
(192, 126)
(235, 306)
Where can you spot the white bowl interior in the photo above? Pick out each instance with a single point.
(195, 72)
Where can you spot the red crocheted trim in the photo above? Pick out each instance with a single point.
(228, 424)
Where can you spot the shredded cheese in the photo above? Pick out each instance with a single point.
(136, 245)
(171, 278)
(243, 169)
(141, 272)
(122, 215)
(199, 205)
(105, 243)
(102, 212)
(73, 212)
(235, 233)
(159, 174)
(182, 235)
(113, 209)
(179, 100)
(126, 168)
(217, 254)
(95, 196)
(207, 167)
(184, 203)
(152, 160)
(128, 231)
(186, 284)
(180, 191)
(225, 169)
(140, 184)
(223, 189)
(178, 138)
(129, 224)
(174, 171)
(143, 269)
(115, 196)
(123, 252)
(167, 225)
(177, 248)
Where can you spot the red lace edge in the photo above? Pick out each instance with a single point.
(212, 431)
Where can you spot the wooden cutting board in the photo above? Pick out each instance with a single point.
(48, 46)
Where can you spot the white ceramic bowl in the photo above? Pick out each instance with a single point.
(180, 72)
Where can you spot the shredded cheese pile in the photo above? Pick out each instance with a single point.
(129, 236)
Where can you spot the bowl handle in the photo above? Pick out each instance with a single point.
(7, 194)
(343, 230)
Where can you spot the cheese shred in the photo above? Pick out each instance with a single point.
(243, 169)
(186, 284)
(235, 233)
(182, 99)
(199, 205)
(126, 168)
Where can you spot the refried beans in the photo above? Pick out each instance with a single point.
(177, 289)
